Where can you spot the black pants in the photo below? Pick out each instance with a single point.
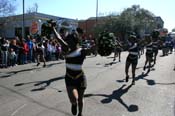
(80, 83)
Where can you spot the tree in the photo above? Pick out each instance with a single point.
(7, 7)
(133, 19)
(138, 19)
(173, 30)
(33, 9)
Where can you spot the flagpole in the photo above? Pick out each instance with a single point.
(23, 24)
(96, 12)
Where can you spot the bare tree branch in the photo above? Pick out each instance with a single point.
(7, 7)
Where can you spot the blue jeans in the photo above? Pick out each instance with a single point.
(4, 57)
(30, 55)
(12, 61)
(24, 58)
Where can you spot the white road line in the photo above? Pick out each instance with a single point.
(13, 114)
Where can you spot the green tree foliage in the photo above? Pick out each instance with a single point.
(136, 19)
(173, 30)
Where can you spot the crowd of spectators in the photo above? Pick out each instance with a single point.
(19, 51)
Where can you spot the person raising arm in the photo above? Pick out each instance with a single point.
(75, 78)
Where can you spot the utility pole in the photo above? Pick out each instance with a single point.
(96, 12)
(23, 23)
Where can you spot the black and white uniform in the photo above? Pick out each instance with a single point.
(133, 54)
(118, 48)
(155, 47)
(74, 73)
(149, 50)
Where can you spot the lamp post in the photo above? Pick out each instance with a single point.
(39, 26)
(23, 23)
(96, 12)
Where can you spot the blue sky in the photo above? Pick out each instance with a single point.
(83, 9)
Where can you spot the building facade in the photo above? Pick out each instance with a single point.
(89, 25)
(159, 22)
(12, 26)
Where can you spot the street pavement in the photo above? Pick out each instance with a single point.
(28, 90)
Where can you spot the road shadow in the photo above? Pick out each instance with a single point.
(91, 56)
(116, 95)
(162, 55)
(11, 73)
(110, 63)
(152, 67)
(141, 76)
(173, 83)
(42, 84)
(52, 64)
(139, 67)
(110, 57)
(33, 100)
(49, 65)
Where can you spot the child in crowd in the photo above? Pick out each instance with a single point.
(12, 57)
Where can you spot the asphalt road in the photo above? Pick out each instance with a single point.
(27, 90)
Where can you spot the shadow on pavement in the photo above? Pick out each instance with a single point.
(32, 100)
(139, 67)
(11, 73)
(116, 95)
(166, 83)
(52, 64)
(110, 63)
(91, 56)
(149, 81)
(42, 84)
(141, 76)
(110, 57)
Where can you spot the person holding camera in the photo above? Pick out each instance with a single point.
(75, 78)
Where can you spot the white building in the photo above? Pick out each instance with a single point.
(12, 26)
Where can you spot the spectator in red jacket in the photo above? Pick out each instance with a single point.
(25, 50)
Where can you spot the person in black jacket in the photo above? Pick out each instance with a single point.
(4, 52)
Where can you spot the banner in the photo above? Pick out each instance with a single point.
(34, 28)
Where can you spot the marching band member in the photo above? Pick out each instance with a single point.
(132, 58)
(117, 50)
(149, 52)
(75, 78)
(155, 49)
